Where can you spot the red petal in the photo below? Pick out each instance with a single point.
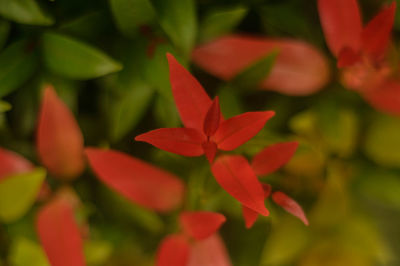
(12, 163)
(211, 121)
(341, 23)
(376, 35)
(183, 141)
(250, 216)
(347, 57)
(289, 205)
(385, 98)
(59, 139)
(190, 98)
(235, 175)
(209, 252)
(273, 157)
(300, 69)
(210, 150)
(174, 250)
(138, 181)
(239, 129)
(201, 224)
(59, 234)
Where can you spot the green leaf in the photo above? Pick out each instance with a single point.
(230, 101)
(130, 14)
(382, 141)
(26, 252)
(73, 59)
(165, 112)
(4, 106)
(126, 109)
(219, 22)
(288, 239)
(25, 12)
(382, 187)
(97, 252)
(17, 64)
(178, 20)
(18, 193)
(4, 31)
(257, 72)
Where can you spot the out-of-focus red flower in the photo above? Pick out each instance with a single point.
(300, 69)
(197, 245)
(59, 233)
(12, 163)
(205, 130)
(362, 52)
(59, 138)
(140, 182)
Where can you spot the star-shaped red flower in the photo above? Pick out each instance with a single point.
(205, 130)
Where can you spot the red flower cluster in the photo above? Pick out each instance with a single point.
(363, 52)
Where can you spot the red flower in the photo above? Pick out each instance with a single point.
(247, 189)
(198, 245)
(299, 69)
(205, 130)
(361, 52)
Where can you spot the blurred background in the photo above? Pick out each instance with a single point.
(106, 60)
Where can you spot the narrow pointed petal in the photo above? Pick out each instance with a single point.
(299, 69)
(59, 138)
(173, 250)
(289, 205)
(341, 23)
(347, 57)
(59, 234)
(201, 224)
(239, 129)
(183, 141)
(273, 157)
(235, 175)
(138, 181)
(210, 150)
(11, 163)
(385, 98)
(250, 216)
(376, 35)
(211, 121)
(210, 251)
(190, 97)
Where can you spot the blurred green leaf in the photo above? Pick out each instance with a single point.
(4, 106)
(4, 32)
(178, 20)
(219, 22)
(304, 123)
(25, 12)
(339, 129)
(230, 101)
(286, 241)
(381, 186)
(130, 14)
(126, 109)
(382, 141)
(165, 112)
(18, 193)
(26, 252)
(97, 252)
(251, 76)
(17, 63)
(73, 59)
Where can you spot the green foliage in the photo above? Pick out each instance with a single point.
(17, 64)
(18, 193)
(26, 252)
(73, 59)
(25, 12)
